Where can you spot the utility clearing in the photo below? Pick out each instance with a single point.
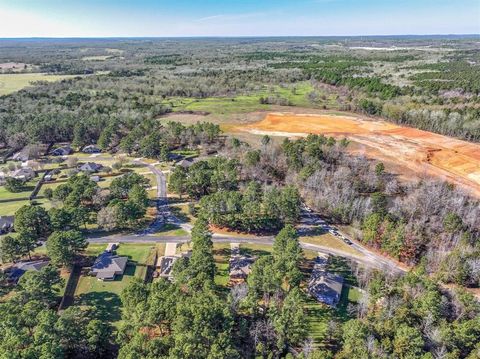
(420, 152)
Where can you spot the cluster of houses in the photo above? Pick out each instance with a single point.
(324, 286)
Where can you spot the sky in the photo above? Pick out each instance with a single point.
(168, 18)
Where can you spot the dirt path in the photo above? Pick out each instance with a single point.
(418, 151)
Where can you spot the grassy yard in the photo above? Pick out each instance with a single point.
(24, 193)
(14, 82)
(9, 208)
(221, 254)
(105, 296)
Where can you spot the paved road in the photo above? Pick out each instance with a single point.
(309, 221)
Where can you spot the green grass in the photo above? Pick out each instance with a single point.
(25, 193)
(221, 254)
(296, 95)
(172, 230)
(10, 83)
(105, 296)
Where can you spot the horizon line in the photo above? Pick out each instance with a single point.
(235, 36)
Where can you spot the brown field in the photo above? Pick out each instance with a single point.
(410, 150)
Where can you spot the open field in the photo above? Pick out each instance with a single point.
(416, 150)
(14, 82)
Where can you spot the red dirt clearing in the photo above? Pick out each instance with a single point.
(416, 150)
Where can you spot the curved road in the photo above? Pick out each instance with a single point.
(367, 258)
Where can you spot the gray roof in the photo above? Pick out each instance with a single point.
(6, 221)
(20, 268)
(107, 265)
(326, 287)
(91, 167)
(240, 266)
(165, 264)
(186, 163)
(63, 150)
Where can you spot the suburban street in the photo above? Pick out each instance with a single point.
(310, 221)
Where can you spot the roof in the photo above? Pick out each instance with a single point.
(107, 263)
(63, 150)
(185, 163)
(20, 268)
(240, 266)
(91, 148)
(165, 264)
(6, 221)
(91, 167)
(23, 172)
(326, 287)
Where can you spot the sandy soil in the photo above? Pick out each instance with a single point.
(416, 151)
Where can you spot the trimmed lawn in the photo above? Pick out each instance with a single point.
(25, 193)
(221, 254)
(9, 208)
(172, 230)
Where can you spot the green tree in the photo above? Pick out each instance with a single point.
(202, 260)
(32, 221)
(408, 342)
(289, 320)
(63, 246)
(43, 286)
(13, 185)
(10, 250)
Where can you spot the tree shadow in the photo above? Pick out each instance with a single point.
(107, 304)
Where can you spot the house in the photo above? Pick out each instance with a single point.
(324, 286)
(240, 268)
(91, 167)
(62, 151)
(24, 174)
(240, 265)
(19, 269)
(22, 155)
(91, 149)
(165, 265)
(186, 163)
(108, 265)
(6, 224)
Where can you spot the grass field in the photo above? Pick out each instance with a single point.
(294, 95)
(105, 296)
(25, 193)
(14, 82)
(9, 208)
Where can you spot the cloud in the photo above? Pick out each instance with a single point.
(207, 18)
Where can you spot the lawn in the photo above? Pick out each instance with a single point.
(25, 193)
(10, 83)
(105, 296)
(221, 254)
(171, 230)
(9, 208)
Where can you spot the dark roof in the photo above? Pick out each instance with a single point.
(63, 150)
(20, 268)
(108, 264)
(165, 264)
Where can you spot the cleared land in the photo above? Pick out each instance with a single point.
(416, 150)
(14, 82)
